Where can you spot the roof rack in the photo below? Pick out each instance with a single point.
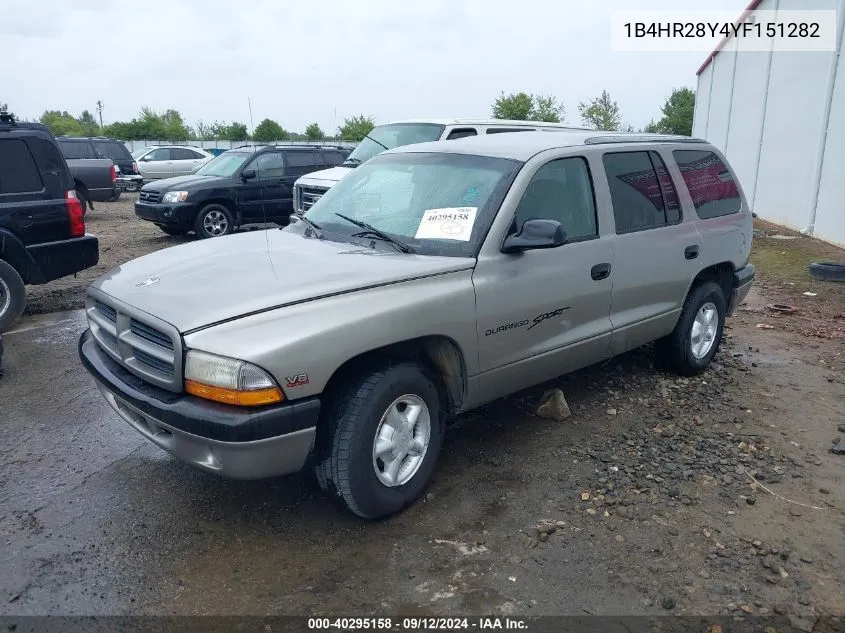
(7, 117)
(641, 138)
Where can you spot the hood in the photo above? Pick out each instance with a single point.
(182, 182)
(218, 279)
(325, 178)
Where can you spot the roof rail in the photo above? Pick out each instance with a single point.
(641, 138)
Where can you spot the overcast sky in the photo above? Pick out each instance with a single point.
(303, 61)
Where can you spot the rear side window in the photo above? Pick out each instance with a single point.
(18, 171)
(461, 133)
(636, 192)
(76, 149)
(112, 149)
(332, 158)
(501, 130)
(710, 183)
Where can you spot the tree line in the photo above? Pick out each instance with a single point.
(600, 113)
(171, 126)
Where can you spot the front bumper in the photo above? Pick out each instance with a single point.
(180, 216)
(240, 443)
(742, 282)
(53, 260)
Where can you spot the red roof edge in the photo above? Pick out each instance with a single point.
(753, 5)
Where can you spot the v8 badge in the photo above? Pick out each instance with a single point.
(296, 381)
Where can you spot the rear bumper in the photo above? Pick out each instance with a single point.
(181, 216)
(53, 260)
(231, 441)
(130, 182)
(743, 280)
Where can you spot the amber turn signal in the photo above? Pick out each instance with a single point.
(251, 398)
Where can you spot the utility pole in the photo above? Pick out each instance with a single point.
(100, 112)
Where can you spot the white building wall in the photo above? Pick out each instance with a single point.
(766, 112)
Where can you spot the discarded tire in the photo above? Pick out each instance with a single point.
(828, 271)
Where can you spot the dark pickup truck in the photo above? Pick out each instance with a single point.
(95, 173)
(42, 228)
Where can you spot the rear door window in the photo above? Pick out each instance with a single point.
(112, 149)
(18, 171)
(180, 153)
(710, 183)
(300, 163)
(76, 149)
(635, 191)
(332, 158)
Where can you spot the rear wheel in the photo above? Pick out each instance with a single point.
(83, 200)
(386, 433)
(214, 220)
(695, 340)
(12, 295)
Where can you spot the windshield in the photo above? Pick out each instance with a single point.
(395, 135)
(140, 152)
(438, 204)
(224, 165)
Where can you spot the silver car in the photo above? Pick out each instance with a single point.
(169, 161)
(433, 279)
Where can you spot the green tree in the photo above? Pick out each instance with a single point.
(678, 111)
(356, 128)
(234, 131)
(601, 112)
(61, 123)
(269, 130)
(203, 130)
(547, 109)
(314, 133)
(522, 106)
(89, 124)
(517, 107)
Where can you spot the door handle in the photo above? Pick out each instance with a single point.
(600, 271)
(691, 252)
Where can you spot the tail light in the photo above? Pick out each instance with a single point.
(113, 173)
(135, 168)
(75, 214)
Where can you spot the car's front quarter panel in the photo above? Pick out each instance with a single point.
(303, 345)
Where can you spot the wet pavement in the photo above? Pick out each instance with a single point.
(96, 520)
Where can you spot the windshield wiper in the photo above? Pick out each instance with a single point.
(351, 162)
(313, 225)
(375, 141)
(369, 228)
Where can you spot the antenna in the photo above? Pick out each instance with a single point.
(100, 112)
(251, 124)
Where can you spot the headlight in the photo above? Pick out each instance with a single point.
(229, 380)
(175, 196)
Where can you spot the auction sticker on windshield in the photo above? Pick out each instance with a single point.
(451, 223)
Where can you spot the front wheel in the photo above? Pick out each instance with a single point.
(695, 340)
(387, 430)
(214, 220)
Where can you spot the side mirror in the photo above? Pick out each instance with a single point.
(535, 234)
(146, 158)
(249, 174)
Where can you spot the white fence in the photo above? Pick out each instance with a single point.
(133, 145)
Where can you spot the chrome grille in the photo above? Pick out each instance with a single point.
(149, 348)
(308, 196)
(152, 197)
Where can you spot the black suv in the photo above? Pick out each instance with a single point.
(42, 229)
(246, 185)
(129, 177)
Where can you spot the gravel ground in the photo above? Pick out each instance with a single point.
(714, 495)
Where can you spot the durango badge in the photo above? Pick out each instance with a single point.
(149, 281)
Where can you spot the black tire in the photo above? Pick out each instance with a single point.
(828, 271)
(83, 200)
(345, 466)
(115, 196)
(223, 218)
(12, 296)
(172, 231)
(675, 351)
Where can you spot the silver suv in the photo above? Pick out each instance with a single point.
(435, 278)
(170, 161)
